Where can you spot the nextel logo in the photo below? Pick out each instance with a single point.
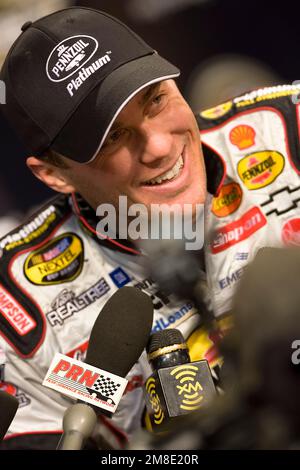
(69, 56)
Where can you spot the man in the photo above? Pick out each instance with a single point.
(102, 117)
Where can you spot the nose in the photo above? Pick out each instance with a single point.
(157, 145)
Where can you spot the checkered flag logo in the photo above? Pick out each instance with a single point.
(106, 386)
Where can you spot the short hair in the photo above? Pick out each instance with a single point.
(54, 158)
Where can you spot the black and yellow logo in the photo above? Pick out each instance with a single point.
(189, 389)
(58, 261)
(154, 401)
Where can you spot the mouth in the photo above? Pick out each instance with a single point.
(169, 175)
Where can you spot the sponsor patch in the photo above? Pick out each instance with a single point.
(239, 230)
(228, 201)
(164, 322)
(67, 303)
(217, 111)
(260, 169)
(263, 94)
(82, 381)
(30, 231)
(231, 279)
(291, 232)
(60, 260)
(242, 136)
(69, 56)
(15, 391)
(282, 201)
(242, 256)
(14, 313)
(119, 277)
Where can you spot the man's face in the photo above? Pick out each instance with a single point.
(152, 154)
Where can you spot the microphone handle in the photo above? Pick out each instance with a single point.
(78, 423)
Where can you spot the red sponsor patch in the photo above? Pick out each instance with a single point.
(79, 352)
(239, 230)
(14, 313)
(291, 232)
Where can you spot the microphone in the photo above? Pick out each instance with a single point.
(117, 340)
(177, 385)
(8, 407)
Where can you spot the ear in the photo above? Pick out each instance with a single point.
(51, 175)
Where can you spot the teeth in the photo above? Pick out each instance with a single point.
(169, 174)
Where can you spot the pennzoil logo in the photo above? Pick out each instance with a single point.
(69, 56)
(154, 401)
(260, 169)
(217, 111)
(228, 201)
(242, 136)
(189, 389)
(58, 261)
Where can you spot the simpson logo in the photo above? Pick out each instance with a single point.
(291, 232)
(217, 111)
(69, 56)
(228, 201)
(242, 136)
(239, 230)
(12, 311)
(67, 303)
(260, 169)
(85, 382)
(58, 261)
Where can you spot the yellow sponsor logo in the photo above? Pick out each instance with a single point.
(217, 111)
(260, 169)
(228, 201)
(58, 261)
(154, 401)
(189, 389)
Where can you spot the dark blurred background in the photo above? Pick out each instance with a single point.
(223, 48)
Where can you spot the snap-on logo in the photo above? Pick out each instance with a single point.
(239, 230)
(69, 56)
(291, 232)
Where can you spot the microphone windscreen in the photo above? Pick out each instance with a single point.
(121, 331)
(8, 408)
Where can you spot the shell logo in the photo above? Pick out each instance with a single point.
(242, 136)
(228, 201)
(260, 169)
(217, 111)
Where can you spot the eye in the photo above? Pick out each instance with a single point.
(114, 137)
(158, 99)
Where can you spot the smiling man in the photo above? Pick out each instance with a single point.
(102, 117)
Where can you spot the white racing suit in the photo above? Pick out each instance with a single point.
(56, 274)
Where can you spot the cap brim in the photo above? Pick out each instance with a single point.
(84, 133)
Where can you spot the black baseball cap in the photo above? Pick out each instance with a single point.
(69, 74)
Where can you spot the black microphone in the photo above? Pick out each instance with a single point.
(8, 409)
(117, 340)
(177, 385)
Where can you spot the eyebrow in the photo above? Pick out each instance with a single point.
(143, 100)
